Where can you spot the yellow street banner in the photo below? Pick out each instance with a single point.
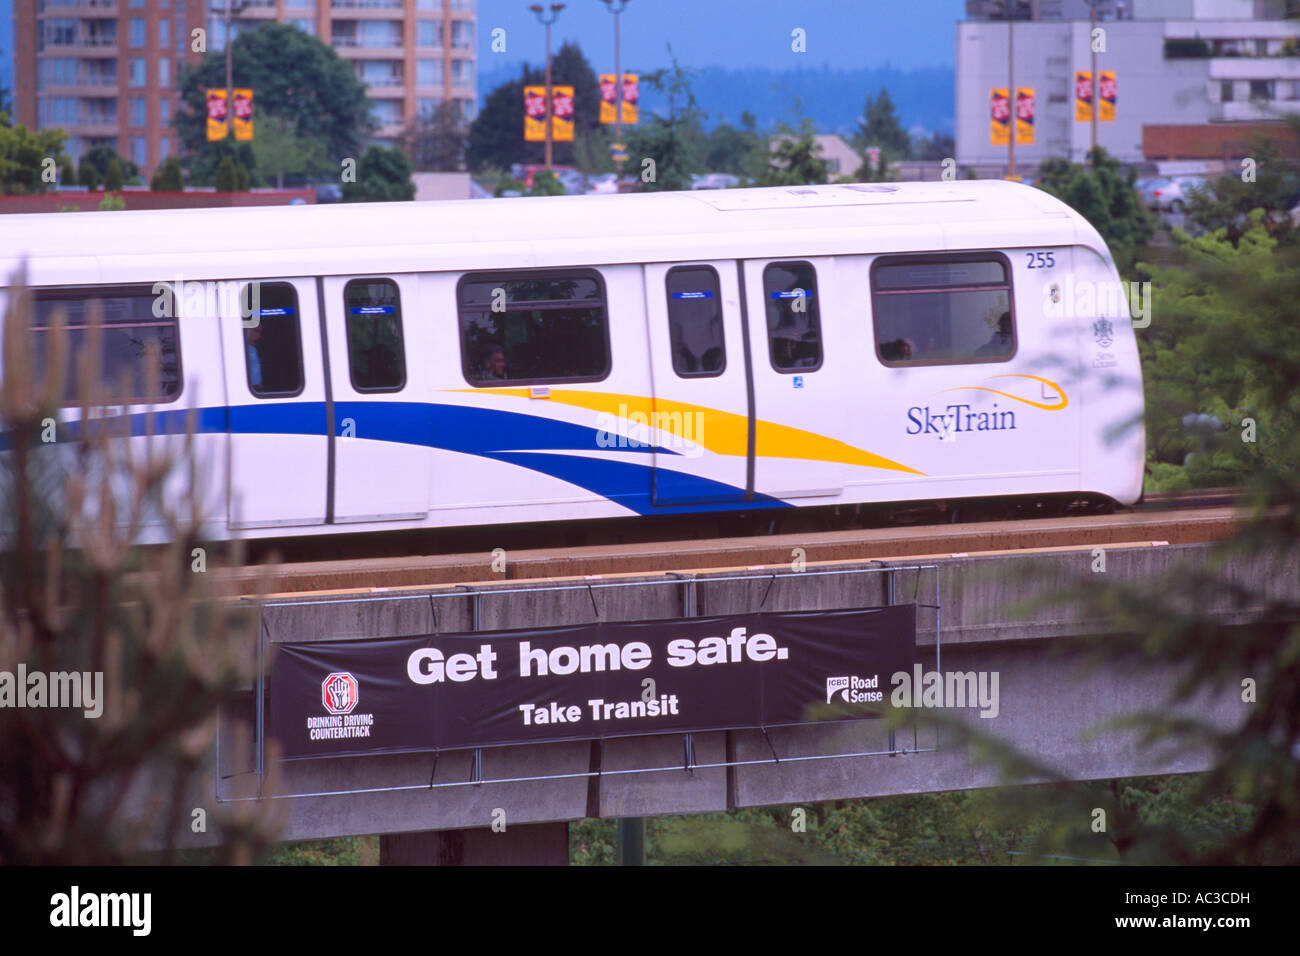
(217, 126)
(1107, 95)
(534, 114)
(608, 99)
(562, 114)
(999, 117)
(1024, 116)
(243, 114)
(1083, 96)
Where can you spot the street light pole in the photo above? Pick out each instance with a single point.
(1011, 94)
(1096, 103)
(616, 7)
(547, 21)
(230, 64)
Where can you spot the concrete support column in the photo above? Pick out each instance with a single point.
(534, 844)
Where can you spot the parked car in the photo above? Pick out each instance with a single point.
(1169, 192)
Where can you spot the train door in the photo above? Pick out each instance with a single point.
(800, 416)
(702, 403)
(278, 399)
(381, 432)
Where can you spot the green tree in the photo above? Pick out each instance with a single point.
(294, 76)
(102, 156)
(1103, 193)
(795, 159)
(436, 140)
(227, 179)
(880, 127)
(23, 155)
(87, 175)
(280, 152)
(113, 178)
(545, 183)
(112, 202)
(669, 150)
(937, 146)
(67, 174)
(168, 178)
(242, 184)
(383, 175)
(730, 150)
(1270, 183)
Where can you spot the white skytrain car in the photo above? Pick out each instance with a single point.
(405, 365)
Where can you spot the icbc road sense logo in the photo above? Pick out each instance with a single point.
(340, 692)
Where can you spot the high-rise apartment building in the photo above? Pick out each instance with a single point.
(106, 70)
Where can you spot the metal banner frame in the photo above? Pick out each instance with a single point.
(687, 582)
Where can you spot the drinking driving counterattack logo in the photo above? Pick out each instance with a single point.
(340, 693)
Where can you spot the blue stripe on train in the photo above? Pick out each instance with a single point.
(529, 441)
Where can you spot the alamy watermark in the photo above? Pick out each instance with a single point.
(211, 299)
(1083, 298)
(76, 689)
(682, 432)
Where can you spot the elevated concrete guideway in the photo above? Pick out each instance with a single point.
(1046, 702)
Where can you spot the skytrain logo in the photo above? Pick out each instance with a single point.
(948, 421)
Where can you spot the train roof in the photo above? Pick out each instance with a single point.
(371, 238)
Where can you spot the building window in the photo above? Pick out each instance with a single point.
(376, 361)
(794, 337)
(695, 321)
(305, 24)
(164, 147)
(1225, 91)
(429, 105)
(1261, 90)
(533, 327)
(273, 347)
(164, 33)
(139, 150)
(130, 337)
(466, 110)
(386, 112)
(462, 72)
(942, 310)
(428, 32)
(165, 110)
(137, 31)
(380, 72)
(164, 73)
(462, 34)
(136, 74)
(137, 111)
(137, 4)
(428, 72)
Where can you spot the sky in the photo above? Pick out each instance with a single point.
(734, 34)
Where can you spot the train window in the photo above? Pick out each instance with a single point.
(273, 346)
(695, 321)
(538, 327)
(794, 335)
(943, 310)
(131, 336)
(376, 360)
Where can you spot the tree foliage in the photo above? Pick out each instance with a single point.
(795, 159)
(169, 177)
(295, 77)
(279, 151)
(383, 175)
(670, 146)
(879, 126)
(113, 181)
(1271, 184)
(436, 141)
(22, 158)
(77, 594)
(1104, 194)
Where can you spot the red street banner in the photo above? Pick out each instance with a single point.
(243, 114)
(999, 117)
(1024, 116)
(562, 113)
(1107, 92)
(584, 682)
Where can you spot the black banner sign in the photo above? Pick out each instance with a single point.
(388, 695)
